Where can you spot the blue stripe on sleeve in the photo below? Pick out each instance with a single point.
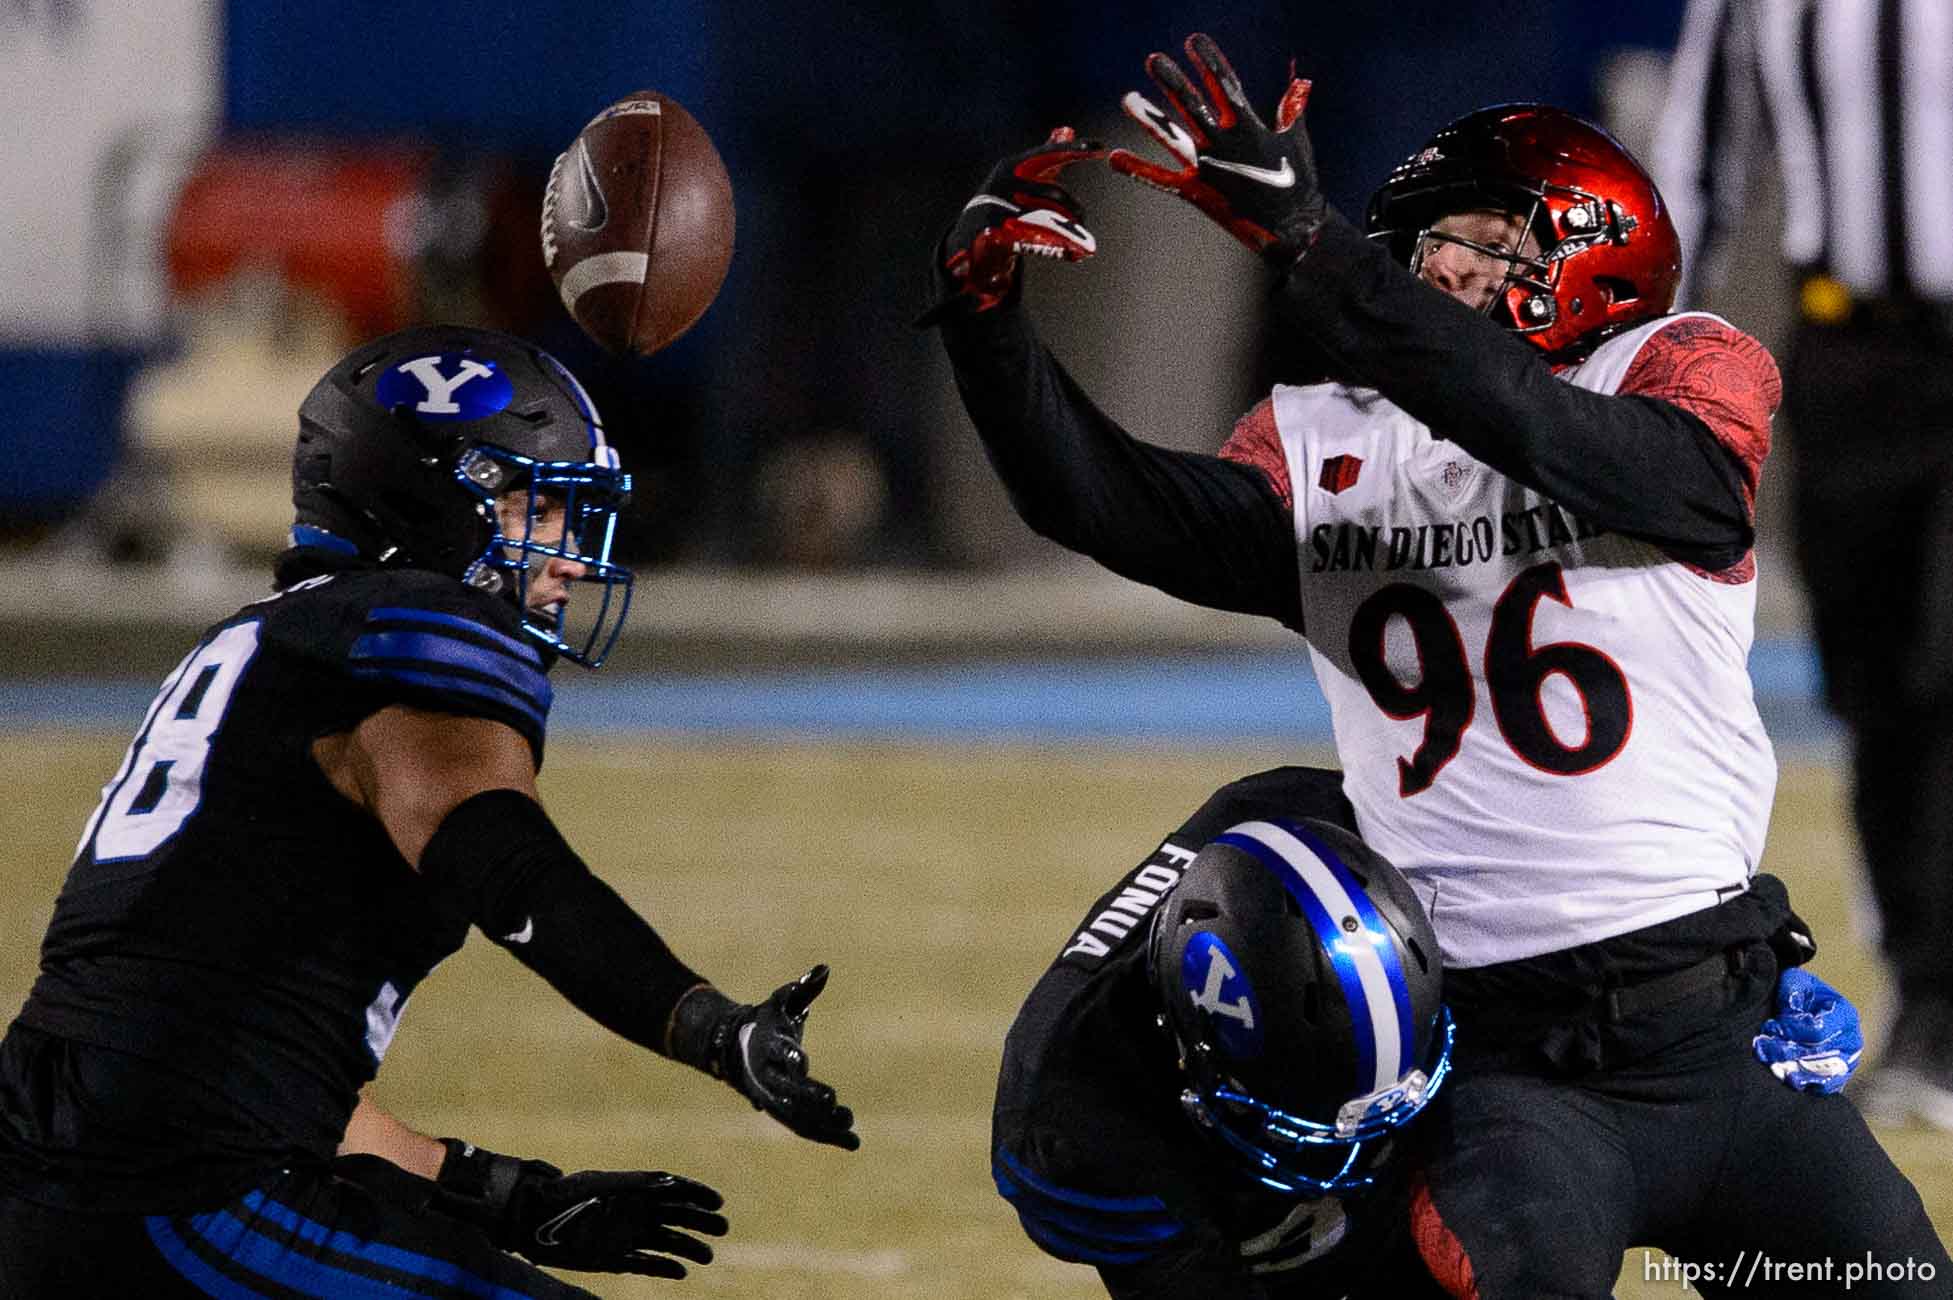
(1082, 1228)
(1083, 1200)
(1079, 1226)
(454, 682)
(1083, 1224)
(434, 649)
(406, 614)
(1057, 1244)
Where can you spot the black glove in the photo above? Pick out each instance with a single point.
(757, 1050)
(1020, 209)
(1259, 185)
(594, 1222)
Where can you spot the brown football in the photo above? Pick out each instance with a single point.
(637, 223)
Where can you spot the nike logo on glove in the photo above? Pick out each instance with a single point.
(549, 1233)
(1058, 223)
(524, 935)
(1279, 178)
(746, 1062)
(1167, 131)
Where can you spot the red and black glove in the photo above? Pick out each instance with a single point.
(1259, 185)
(1020, 209)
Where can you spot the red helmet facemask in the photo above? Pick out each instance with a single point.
(1610, 256)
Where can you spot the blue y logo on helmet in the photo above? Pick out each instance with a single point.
(1215, 982)
(444, 387)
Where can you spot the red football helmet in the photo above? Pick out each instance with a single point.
(1609, 255)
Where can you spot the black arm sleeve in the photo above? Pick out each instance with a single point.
(528, 891)
(1635, 465)
(1198, 527)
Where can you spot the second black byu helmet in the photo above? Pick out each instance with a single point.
(1302, 982)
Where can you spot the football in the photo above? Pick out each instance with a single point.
(637, 223)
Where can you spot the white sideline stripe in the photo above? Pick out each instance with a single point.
(1369, 966)
(604, 268)
(798, 1257)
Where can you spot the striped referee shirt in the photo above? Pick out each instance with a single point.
(1857, 97)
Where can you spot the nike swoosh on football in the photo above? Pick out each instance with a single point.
(1277, 177)
(593, 191)
(547, 1233)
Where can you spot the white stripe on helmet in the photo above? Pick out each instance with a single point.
(1319, 880)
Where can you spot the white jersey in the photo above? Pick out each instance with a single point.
(1549, 729)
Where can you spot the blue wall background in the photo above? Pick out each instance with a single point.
(849, 127)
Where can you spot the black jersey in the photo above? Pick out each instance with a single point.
(235, 940)
(1091, 1147)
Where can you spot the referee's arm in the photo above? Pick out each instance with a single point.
(1710, 136)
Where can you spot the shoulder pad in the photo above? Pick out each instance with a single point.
(1124, 910)
(421, 639)
(1279, 792)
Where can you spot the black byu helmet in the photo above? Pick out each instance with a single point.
(1302, 981)
(407, 445)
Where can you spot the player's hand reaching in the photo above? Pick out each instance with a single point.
(629, 1222)
(1020, 209)
(1813, 1042)
(757, 1049)
(1258, 184)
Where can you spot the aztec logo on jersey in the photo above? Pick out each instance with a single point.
(1216, 984)
(1339, 473)
(445, 387)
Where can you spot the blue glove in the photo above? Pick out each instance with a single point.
(1813, 1042)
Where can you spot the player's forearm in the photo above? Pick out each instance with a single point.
(373, 1131)
(1063, 461)
(1631, 464)
(520, 882)
(1197, 527)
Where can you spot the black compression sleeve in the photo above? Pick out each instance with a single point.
(1636, 465)
(527, 890)
(1201, 528)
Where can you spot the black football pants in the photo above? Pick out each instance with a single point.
(348, 1231)
(1538, 1183)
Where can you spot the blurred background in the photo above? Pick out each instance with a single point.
(210, 201)
(949, 735)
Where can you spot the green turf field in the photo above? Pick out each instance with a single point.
(936, 881)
